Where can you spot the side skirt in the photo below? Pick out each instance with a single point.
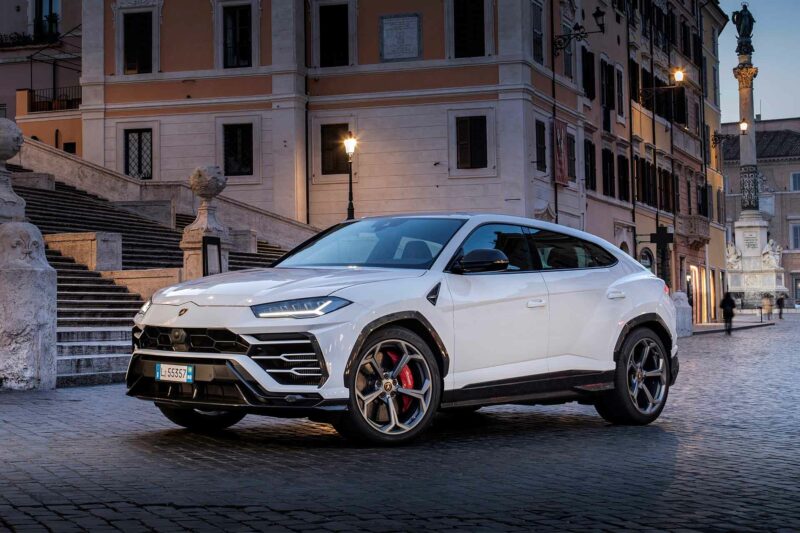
(550, 388)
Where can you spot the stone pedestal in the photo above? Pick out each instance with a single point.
(207, 183)
(754, 262)
(27, 310)
(12, 207)
(683, 314)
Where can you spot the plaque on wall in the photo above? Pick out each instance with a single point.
(401, 37)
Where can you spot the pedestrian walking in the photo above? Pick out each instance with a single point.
(728, 305)
(780, 303)
(766, 306)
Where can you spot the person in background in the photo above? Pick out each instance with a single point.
(766, 306)
(728, 305)
(780, 303)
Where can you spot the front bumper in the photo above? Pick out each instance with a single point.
(220, 383)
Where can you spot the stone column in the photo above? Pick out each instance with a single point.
(27, 287)
(745, 73)
(206, 183)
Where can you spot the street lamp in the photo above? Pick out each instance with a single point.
(579, 33)
(743, 125)
(350, 148)
(678, 75)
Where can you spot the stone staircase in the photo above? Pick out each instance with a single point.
(94, 314)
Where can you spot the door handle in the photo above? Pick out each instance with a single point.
(615, 294)
(537, 302)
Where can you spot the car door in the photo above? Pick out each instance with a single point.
(578, 275)
(500, 318)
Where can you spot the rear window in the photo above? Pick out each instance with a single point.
(559, 251)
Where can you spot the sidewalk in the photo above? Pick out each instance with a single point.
(739, 323)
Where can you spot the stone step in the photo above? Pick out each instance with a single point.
(98, 295)
(155, 263)
(96, 378)
(104, 304)
(77, 274)
(92, 364)
(89, 312)
(87, 281)
(95, 322)
(81, 348)
(94, 334)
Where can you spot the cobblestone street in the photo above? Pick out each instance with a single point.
(723, 456)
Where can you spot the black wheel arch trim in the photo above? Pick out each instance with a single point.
(387, 320)
(642, 320)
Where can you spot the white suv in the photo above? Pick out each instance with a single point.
(377, 324)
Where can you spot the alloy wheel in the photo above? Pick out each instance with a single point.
(647, 376)
(393, 387)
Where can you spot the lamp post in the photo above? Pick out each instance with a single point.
(579, 32)
(350, 148)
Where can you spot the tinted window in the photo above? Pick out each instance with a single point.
(559, 251)
(504, 237)
(378, 242)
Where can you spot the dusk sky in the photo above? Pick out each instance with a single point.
(776, 39)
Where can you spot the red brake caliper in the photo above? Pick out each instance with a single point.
(406, 378)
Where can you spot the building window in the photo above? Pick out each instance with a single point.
(620, 93)
(70, 147)
(138, 42)
(139, 153)
(541, 146)
(569, 53)
(571, 156)
(720, 206)
(623, 171)
(633, 71)
(537, 18)
(590, 165)
(334, 158)
(796, 236)
(646, 259)
(715, 81)
(334, 35)
(238, 149)
(795, 184)
(589, 82)
(471, 142)
(608, 173)
(237, 36)
(3, 111)
(469, 39)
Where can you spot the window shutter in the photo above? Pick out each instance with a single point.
(611, 97)
(588, 73)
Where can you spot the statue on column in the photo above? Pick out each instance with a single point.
(744, 21)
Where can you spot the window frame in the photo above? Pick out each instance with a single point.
(255, 120)
(540, 5)
(125, 134)
(153, 125)
(317, 177)
(490, 170)
(488, 32)
(792, 182)
(568, 53)
(541, 142)
(470, 119)
(619, 80)
(224, 167)
(219, 32)
(154, 7)
(352, 25)
(794, 231)
(543, 270)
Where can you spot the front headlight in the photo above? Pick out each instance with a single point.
(302, 308)
(145, 307)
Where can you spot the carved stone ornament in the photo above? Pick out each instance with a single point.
(733, 257)
(12, 207)
(21, 247)
(748, 175)
(207, 183)
(745, 74)
(134, 4)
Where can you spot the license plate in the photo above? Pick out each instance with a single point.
(175, 373)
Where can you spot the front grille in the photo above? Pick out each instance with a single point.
(190, 340)
(290, 359)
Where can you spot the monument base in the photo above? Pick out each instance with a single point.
(756, 272)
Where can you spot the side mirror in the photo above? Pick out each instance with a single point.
(481, 260)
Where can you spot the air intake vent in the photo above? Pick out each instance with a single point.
(289, 358)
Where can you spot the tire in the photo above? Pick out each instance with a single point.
(201, 421)
(641, 381)
(395, 389)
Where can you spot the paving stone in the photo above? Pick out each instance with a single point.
(723, 456)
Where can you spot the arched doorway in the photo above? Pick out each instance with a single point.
(647, 260)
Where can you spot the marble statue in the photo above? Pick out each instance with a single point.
(771, 255)
(744, 21)
(733, 257)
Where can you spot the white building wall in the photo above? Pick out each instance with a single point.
(182, 142)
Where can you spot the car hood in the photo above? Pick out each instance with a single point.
(251, 287)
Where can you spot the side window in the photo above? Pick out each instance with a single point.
(558, 251)
(507, 238)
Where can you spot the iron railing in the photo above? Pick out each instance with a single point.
(58, 99)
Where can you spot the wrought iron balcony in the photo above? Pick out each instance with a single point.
(59, 99)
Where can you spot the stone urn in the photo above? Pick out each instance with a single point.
(207, 183)
(12, 207)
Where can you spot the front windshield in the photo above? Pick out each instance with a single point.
(401, 242)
